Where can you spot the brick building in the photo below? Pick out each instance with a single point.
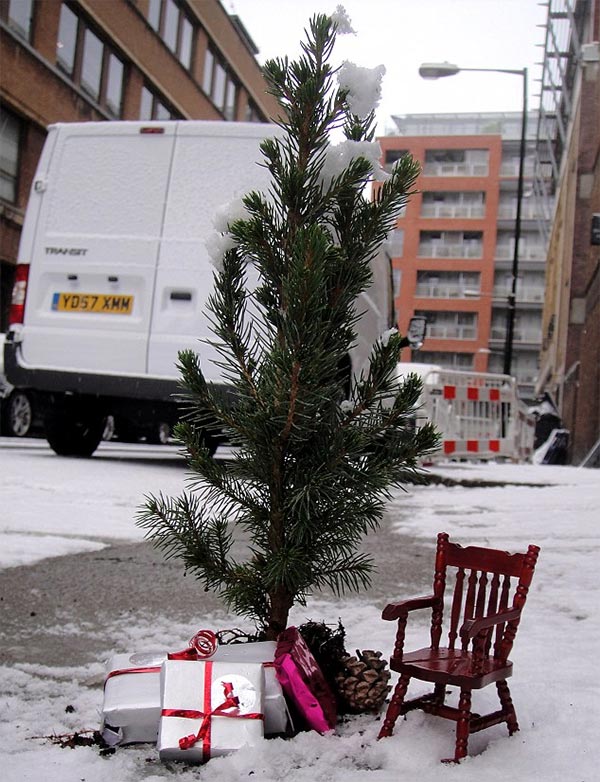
(452, 250)
(80, 60)
(569, 163)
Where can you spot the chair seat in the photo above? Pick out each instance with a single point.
(452, 667)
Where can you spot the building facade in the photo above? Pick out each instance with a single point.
(452, 249)
(82, 60)
(568, 166)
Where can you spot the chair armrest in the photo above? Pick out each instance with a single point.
(396, 610)
(472, 627)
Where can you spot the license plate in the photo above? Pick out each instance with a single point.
(107, 303)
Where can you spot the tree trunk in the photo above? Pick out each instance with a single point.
(281, 603)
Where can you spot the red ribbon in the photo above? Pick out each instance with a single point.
(121, 671)
(202, 645)
(230, 702)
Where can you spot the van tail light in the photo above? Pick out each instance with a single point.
(19, 293)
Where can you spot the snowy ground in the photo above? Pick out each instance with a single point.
(555, 686)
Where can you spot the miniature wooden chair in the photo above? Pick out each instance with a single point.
(485, 617)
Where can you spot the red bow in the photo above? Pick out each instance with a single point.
(203, 734)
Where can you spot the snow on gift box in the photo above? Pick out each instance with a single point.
(209, 708)
(132, 705)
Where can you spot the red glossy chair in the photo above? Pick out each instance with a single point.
(484, 614)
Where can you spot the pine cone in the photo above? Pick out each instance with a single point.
(362, 685)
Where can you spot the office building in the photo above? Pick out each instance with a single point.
(452, 249)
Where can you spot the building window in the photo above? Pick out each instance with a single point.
(469, 203)
(447, 285)
(456, 162)
(231, 100)
(169, 20)
(450, 244)
(67, 40)
(460, 361)
(252, 112)
(442, 324)
(18, 14)
(221, 87)
(114, 85)
(153, 107)
(392, 156)
(90, 62)
(394, 245)
(10, 136)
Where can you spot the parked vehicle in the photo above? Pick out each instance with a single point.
(113, 274)
(18, 412)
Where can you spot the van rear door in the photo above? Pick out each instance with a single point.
(95, 247)
(213, 163)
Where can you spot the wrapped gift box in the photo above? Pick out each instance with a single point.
(277, 718)
(209, 708)
(311, 700)
(131, 708)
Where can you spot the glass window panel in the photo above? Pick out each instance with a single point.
(67, 39)
(231, 100)
(209, 63)
(114, 86)
(170, 25)
(219, 84)
(154, 14)
(19, 17)
(10, 130)
(146, 104)
(91, 68)
(185, 47)
(161, 111)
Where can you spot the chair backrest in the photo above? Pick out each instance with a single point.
(487, 581)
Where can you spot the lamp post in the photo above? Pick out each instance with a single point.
(438, 71)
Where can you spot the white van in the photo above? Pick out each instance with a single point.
(113, 274)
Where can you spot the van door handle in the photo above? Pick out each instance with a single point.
(181, 296)
(71, 277)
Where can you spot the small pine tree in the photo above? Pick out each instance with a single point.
(314, 460)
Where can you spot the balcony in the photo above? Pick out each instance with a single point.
(521, 335)
(436, 250)
(524, 295)
(510, 168)
(455, 169)
(474, 211)
(509, 211)
(432, 291)
(451, 331)
(527, 252)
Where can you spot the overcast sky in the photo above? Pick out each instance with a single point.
(402, 34)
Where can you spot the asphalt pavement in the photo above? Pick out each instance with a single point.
(56, 612)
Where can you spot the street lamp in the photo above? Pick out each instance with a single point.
(432, 70)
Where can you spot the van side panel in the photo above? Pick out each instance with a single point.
(96, 247)
(212, 165)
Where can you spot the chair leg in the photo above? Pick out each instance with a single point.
(507, 706)
(439, 693)
(462, 727)
(395, 707)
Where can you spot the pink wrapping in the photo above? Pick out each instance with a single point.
(304, 701)
(303, 682)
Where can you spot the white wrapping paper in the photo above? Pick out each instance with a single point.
(184, 688)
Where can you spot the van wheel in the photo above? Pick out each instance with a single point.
(74, 430)
(18, 414)
(159, 434)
